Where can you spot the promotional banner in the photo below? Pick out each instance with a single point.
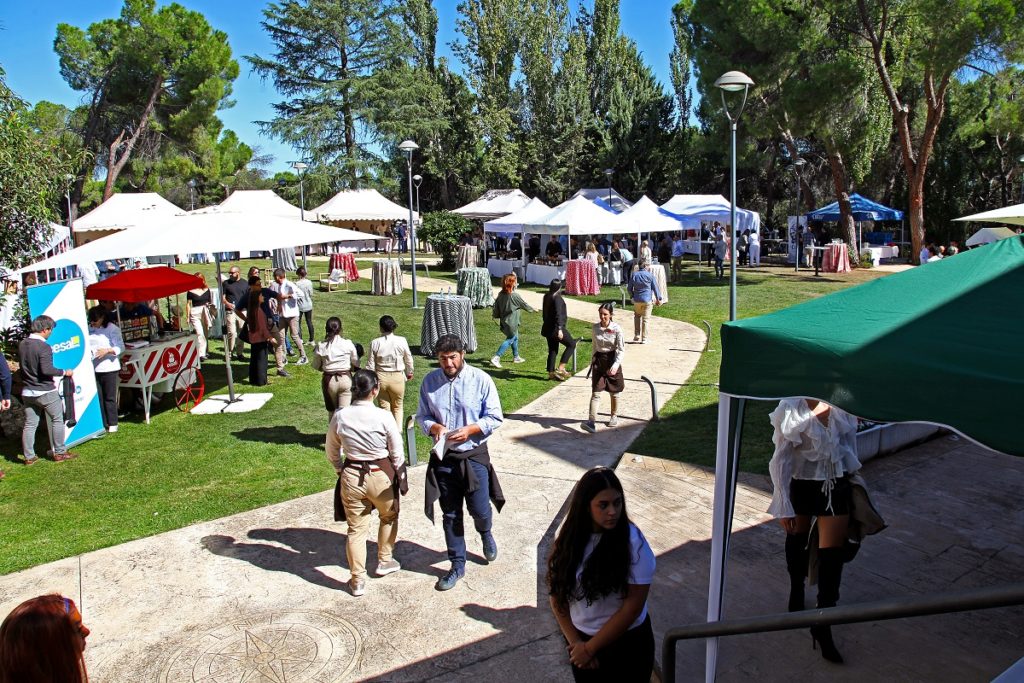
(65, 302)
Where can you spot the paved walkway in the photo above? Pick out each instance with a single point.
(263, 592)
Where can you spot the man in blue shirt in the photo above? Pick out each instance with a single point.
(678, 249)
(644, 291)
(459, 408)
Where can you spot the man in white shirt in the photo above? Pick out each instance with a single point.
(288, 295)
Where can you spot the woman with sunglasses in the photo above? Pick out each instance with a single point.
(42, 641)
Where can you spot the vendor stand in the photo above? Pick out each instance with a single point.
(154, 360)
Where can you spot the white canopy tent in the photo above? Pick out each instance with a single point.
(616, 201)
(1008, 215)
(494, 204)
(987, 235)
(361, 205)
(516, 222)
(122, 211)
(264, 202)
(579, 216)
(649, 217)
(694, 209)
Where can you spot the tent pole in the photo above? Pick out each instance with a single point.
(730, 430)
(227, 351)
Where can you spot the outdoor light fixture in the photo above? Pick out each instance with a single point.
(608, 174)
(733, 81)
(797, 167)
(192, 192)
(417, 180)
(408, 147)
(299, 168)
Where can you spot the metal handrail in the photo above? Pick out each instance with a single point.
(880, 610)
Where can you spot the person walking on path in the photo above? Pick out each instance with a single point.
(336, 357)
(365, 448)
(553, 328)
(305, 286)
(235, 297)
(599, 575)
(106, 345)
(720, 249)
(391, 358)
(40, 394)
(288, 304)
(606, 365)
(643, 289)
(198, 304)
(459, 408)
(507, 308)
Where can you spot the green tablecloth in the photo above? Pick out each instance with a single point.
(475, 283)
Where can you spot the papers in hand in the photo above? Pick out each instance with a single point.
(439, 447)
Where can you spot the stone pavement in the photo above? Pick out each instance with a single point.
(261, 596)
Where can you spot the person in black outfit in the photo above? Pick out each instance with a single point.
(516, 247)
(554, 248)
(257, 321)
(553, 329)
(235, 297)
(534, 247)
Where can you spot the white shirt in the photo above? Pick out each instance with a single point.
(807, 449)
(590, 618)
(289, 306)
(337, 356)
(363, 432)
(389, 353)
(608, 339)
(108, 337)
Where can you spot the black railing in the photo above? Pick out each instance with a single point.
(879, 610)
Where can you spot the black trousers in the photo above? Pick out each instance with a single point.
(553, 342)
(107, 384)
(308, 317)
(630, 659)
(258, 363)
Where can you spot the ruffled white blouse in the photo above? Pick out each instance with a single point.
(807, 449)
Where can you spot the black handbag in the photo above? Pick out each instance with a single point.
(243, 334)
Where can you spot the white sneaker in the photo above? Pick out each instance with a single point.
(496, 362)
(389, 567)
(112, 428)
(517, 359)
(357, 586)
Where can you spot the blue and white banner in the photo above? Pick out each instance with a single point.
(64, 301)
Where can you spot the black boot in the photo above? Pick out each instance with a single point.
(830, 574)
(796, 565)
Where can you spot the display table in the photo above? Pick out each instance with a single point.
(346, 262)
(543, 275)
(447, 314)
(880, 252)
(610, 273)
(468, 257)
(501, 267)
(168, 364)
(581, 278)
(694, 246)
(836, 259)
(387, 277)
(475, 283)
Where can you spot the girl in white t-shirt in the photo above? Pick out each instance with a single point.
(599, 574)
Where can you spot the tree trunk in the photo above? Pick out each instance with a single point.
(847, 228)
(115, 163)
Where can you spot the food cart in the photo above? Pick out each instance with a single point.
(155, 361)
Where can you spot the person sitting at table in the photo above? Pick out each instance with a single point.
(554, 248)
(515, 247)
(533, 248)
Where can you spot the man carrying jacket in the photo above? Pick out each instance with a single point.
(40, 393)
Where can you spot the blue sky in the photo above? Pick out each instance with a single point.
(27, 30)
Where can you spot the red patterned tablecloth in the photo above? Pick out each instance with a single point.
(836, 259)
(581, 277)
(347, 263)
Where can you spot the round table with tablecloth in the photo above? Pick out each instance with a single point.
(836, 259)
(447, 314)
(387, 277)
(468, 256)
(581, 278)
(346, 262)
(498, 267)
(610, 273)
(475, 283)
(658, 271)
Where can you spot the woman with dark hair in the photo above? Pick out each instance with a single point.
(608, 349)
(42, 641)
(257, 321)
(106, 344)
(199, 315)
(336, 357)
(365, 448)
(553, 328)
(506, 309)
(305, 286)
(599, 574)
(391, 358)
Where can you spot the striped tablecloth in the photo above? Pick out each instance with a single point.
(387, 277)
(836, 259)
(347, 263)
(581, 277)
(468, 257)
(447, 314)
(475, 283)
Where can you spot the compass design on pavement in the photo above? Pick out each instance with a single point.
(292, 646)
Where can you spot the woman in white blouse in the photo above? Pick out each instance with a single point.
(391, 358)
(106, 345)
(606, 365)
(591, 253)
(337, 358)
(815, 452)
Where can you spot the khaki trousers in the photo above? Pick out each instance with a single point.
(392, 394)
(338, 392)
(359, 501)
(287, 325)
(642, 318)
(233, 322)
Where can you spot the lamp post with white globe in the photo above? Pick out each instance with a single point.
(408, 147)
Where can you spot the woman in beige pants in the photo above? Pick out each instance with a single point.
(391, 358)
(337, 358)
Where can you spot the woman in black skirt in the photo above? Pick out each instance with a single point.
(606, 365)
(554, 330)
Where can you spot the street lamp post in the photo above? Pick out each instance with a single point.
(408, 147)
(733, 81)
(192, 193)
(417, 181)
(797, 166)
(300, 167)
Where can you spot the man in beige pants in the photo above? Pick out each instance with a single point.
(235, 297)
(391, 358)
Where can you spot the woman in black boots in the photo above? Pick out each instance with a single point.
(815, 452)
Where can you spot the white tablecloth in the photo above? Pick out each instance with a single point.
(500, 267)
(610, 273)
(543, 275)
(387, 277)
(658, 271)
(879, 253)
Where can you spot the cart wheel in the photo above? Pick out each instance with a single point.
(189, 387)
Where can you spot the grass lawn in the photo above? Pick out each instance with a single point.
(182, 469)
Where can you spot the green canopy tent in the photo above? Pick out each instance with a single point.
(939, 343)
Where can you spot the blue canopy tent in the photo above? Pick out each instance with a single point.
(862, 208)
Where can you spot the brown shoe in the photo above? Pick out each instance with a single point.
(31, 461)
(61, 457)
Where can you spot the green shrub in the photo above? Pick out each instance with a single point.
(443, 230)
